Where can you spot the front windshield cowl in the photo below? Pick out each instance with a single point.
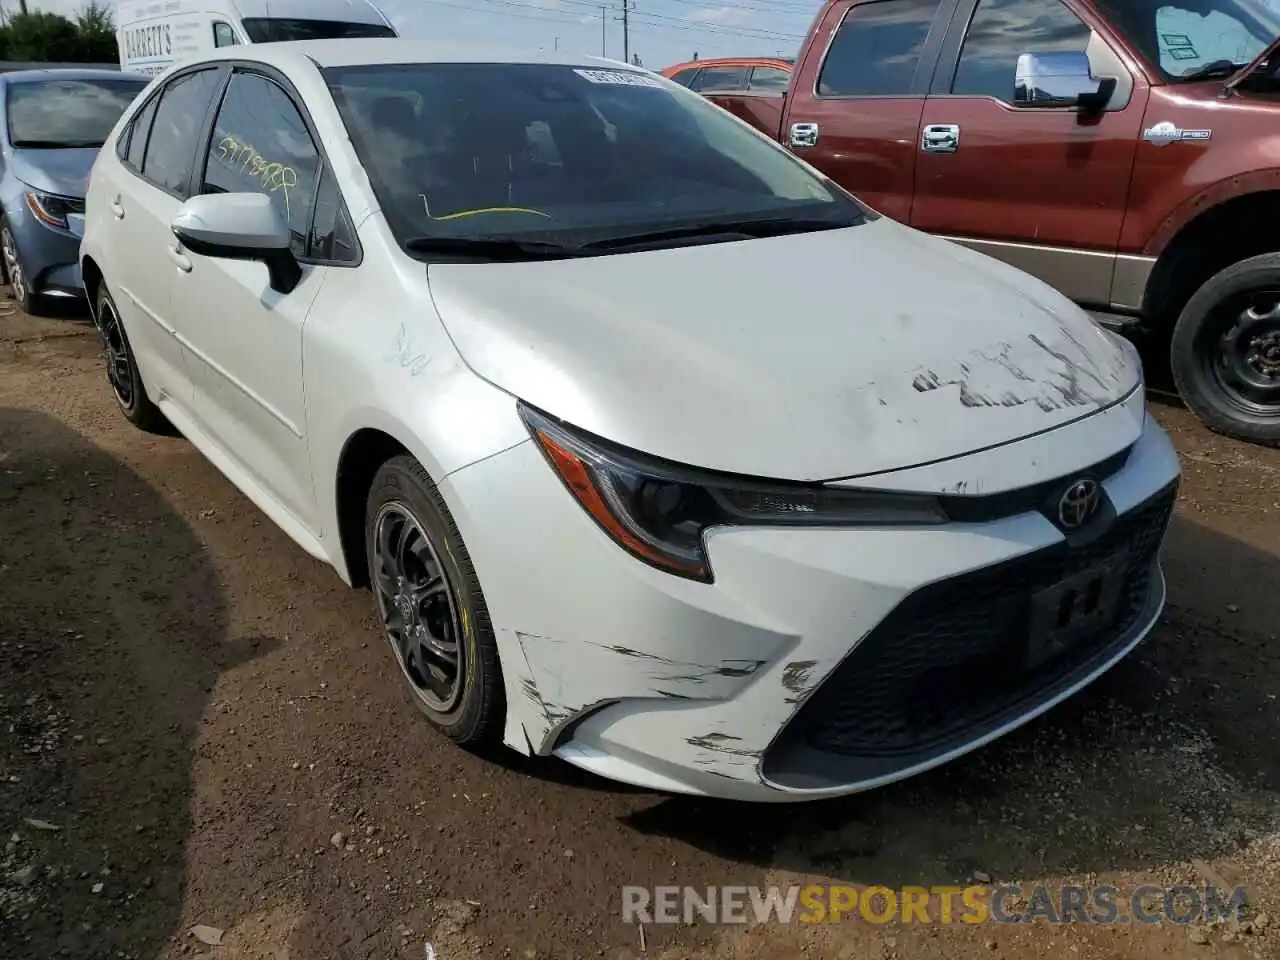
(569, 156)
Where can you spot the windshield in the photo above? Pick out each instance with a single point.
(67, 113)
(280, 29)
(563, 154)
(1182, 37)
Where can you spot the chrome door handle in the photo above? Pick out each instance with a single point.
(803, 135)
(179, 259)
(940, 138)
(117, 208)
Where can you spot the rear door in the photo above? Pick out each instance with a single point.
(858, 96)
(1043, 188)
(146, 182)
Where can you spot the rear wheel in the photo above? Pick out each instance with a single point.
(1225, 352)
(431, 605)
(122, 369)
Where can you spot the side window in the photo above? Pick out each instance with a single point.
(332, 236)
(261, 145)
(877, 49)
(179, 115)
(768, 80)
(122, 142)
(223, 35)
(1003, 30)
(684, 77)
(139, 130)
(717, 79)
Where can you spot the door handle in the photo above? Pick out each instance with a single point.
(940, 138)
(803, 135)
(117, 208)
(179, 259)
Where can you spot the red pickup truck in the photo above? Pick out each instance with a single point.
(1125, 151)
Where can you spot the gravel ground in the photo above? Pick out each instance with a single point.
(201, 739)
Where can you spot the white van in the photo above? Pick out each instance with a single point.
(155, 34)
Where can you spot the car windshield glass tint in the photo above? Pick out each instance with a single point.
(1182, 37)
(280, 29)
(67, 113)
(564, 154)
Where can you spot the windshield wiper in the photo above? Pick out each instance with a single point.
(1211, 71)
(492, 248)
(55, 144)
(713, 230)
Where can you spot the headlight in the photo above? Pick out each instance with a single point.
(52, 210)
(658, 510)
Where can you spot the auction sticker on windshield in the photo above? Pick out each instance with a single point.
(622, 77)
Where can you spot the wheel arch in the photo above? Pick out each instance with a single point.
(362, 455)
(1233, 228)
(91, 280)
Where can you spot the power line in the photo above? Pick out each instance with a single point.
(676, 24)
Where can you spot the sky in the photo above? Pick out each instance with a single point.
(661, 32)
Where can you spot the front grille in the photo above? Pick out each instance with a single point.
(954, 655)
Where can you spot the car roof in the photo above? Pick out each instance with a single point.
(374, 51)
(350, 11)
(70, 73)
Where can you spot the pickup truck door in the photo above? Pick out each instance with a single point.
(856, 97)
(1044, 188)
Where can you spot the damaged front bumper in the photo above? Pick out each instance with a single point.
(821, 661)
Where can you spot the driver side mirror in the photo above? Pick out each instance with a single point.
(239, 226)
(1060, 79)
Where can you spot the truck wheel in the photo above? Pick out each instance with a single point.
(1225, 352)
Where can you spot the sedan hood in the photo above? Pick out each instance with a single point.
(62, 172)
(806, 357)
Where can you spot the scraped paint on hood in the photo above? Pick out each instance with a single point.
(814, 356)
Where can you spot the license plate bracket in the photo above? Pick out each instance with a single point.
(1075, 607)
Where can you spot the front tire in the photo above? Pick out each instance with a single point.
(15, 273)
(122, 369)
(432, 609)
(1225, 352)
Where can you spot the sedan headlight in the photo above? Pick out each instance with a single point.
(52, 210)
(658, 510)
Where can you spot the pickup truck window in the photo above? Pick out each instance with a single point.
(684, 77)
(768, 80)
(1182, 37)
(877, 48)
(1003, 30)
(713, 79)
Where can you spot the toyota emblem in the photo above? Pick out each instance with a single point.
(1078, 503)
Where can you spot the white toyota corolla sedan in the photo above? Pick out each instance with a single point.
(660, 452)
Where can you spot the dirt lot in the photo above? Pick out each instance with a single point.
(210, 721)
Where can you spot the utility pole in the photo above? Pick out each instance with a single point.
(604, 23)
(626, 36)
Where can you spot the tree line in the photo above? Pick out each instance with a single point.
(37, 35)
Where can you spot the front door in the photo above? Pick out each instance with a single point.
(1043, 188)
(245, 338)
(859, 116)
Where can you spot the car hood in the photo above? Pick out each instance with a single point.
(63, 172)
(807, 357)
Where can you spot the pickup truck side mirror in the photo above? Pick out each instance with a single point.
(1060, 79)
